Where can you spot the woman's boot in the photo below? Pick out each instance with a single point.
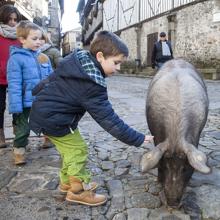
(2, 138)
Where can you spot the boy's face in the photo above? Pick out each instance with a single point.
(111, 64)
(33, 40)
(163, 38)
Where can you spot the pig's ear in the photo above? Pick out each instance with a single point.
(197, 159)
(151, 159)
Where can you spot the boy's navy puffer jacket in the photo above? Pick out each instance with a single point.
(70, 93)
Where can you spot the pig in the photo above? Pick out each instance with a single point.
(176, 111)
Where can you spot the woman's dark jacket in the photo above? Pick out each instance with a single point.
(67, 95)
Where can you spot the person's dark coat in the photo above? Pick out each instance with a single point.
(157, 55)
(67, 95)
(53, 53)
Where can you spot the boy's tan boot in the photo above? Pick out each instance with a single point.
(76, 185)
(64, 187)
(82, 193)
(2, 138)
(86, 197)
(19, 156)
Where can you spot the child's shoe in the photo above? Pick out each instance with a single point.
(76, 185)
(87, 198)
(64, 187)
(47, 143)
(19, 156)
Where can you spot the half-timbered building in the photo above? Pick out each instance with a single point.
(193, 26)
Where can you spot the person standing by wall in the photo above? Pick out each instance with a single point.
(162, 52)
(9, 17)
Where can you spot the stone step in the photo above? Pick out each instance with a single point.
(208, 73)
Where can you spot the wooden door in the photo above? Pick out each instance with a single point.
(151, 39)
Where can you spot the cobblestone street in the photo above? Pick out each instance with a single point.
(30, 192)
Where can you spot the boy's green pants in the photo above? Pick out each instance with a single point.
(22, 130)
(74, 153)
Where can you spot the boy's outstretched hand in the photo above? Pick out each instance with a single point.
(148, 138)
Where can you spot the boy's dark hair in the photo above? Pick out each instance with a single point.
(6, 11)
(109, 44)
(24, 27)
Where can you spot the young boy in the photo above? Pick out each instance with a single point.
(78, 85)
(25, 69)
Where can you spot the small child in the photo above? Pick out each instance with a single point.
(55, 57)
(25, 69)
(50, 50)
(78, 86)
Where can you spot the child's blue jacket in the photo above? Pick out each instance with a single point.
(74, 88)
(24, 72)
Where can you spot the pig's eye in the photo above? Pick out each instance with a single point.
(168, 155)
(182, 156)
(184, 169)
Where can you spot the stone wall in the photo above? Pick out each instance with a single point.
(130, 38)
(195, 34)
(54, 25)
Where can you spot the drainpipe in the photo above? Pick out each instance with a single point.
(138, 34)
(172, 28)
(216, 19)
(138, 43)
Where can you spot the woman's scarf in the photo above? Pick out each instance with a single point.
(8, 31)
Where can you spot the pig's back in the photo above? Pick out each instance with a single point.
(177, 103)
